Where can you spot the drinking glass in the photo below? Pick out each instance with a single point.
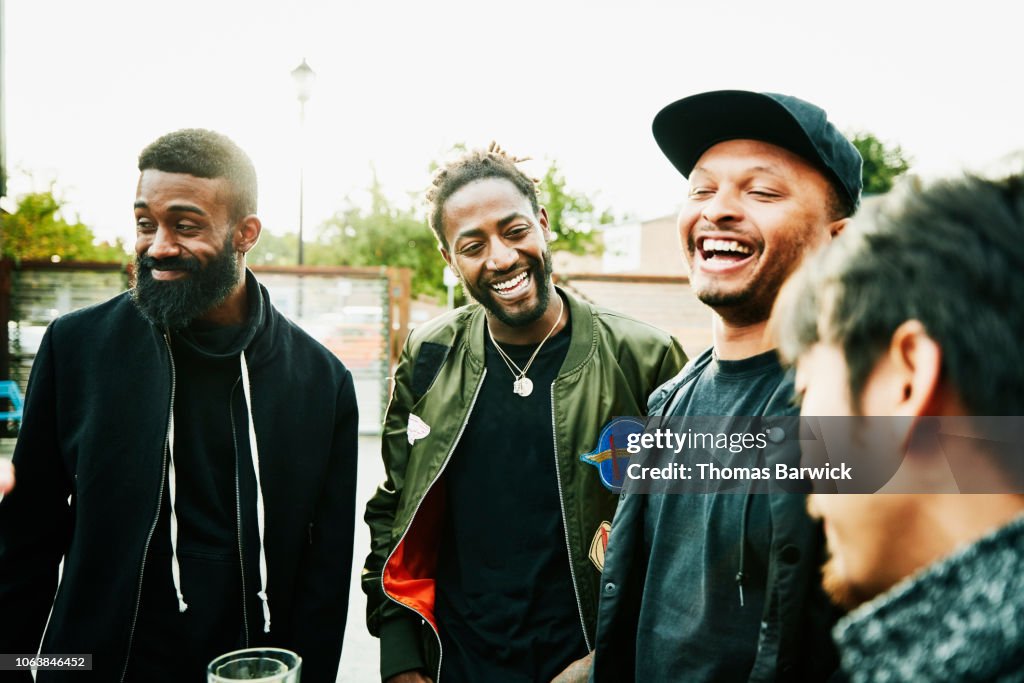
(264, 664)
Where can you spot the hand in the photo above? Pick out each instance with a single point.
(410, 677)
(577, 672)
(6, 477)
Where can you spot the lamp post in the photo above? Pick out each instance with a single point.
(303, 77)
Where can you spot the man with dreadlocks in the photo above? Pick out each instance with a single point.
(488, 536)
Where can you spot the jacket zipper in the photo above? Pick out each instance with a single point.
(156, 517)
(440, 650)
(565, 524)
(238, 513)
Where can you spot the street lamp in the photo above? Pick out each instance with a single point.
(303, 77)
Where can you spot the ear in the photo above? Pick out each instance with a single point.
(447, 256)
(908, 375)
(545, 226)
(247, 233)
(836, 227)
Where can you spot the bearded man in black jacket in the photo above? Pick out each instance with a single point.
(187, 452)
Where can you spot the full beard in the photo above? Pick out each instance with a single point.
(540, 273)
(176, 303)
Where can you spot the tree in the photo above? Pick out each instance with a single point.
(383, 234)
(275, 250)
(882, 163)
(572, 215)
(38, 231)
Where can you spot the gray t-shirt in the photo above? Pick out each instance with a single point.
(692, 624)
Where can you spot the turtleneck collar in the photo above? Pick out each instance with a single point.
(207, 339)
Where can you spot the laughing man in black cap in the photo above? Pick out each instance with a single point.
(726, 587)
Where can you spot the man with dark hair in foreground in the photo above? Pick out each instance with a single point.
(187, 452)
(917, 315)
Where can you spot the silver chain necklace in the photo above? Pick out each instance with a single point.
(523, 385)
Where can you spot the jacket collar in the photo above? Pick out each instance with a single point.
(581, 346)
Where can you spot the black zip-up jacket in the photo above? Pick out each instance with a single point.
(91, 465)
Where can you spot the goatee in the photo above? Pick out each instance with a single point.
(174, 304)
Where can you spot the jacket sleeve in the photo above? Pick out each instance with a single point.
(323, 579)
(397, 627)
(35, 518)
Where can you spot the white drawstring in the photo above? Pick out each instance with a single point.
(171, 487)
(260, 515)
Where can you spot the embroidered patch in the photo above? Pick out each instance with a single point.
(610, 457)
(599, 545)
(416, 429)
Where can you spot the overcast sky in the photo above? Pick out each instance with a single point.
(89, 84)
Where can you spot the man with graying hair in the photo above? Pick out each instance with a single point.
(724, 586)
(917, 315)
(186, 451)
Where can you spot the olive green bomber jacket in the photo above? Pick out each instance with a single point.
(612, 365)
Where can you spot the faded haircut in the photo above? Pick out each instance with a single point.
(206, 154)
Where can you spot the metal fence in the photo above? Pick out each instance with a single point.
(360, 314)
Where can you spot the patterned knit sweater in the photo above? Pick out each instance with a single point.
(961, 619)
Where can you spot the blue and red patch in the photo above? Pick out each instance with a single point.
(610, 457)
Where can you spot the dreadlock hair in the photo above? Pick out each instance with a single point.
(494, 162)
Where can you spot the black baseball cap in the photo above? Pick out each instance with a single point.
(689, 127)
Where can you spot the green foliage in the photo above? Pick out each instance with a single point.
(882, 163)
(38, 231)
(275, 250)
(383, 234)
(572, 215)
